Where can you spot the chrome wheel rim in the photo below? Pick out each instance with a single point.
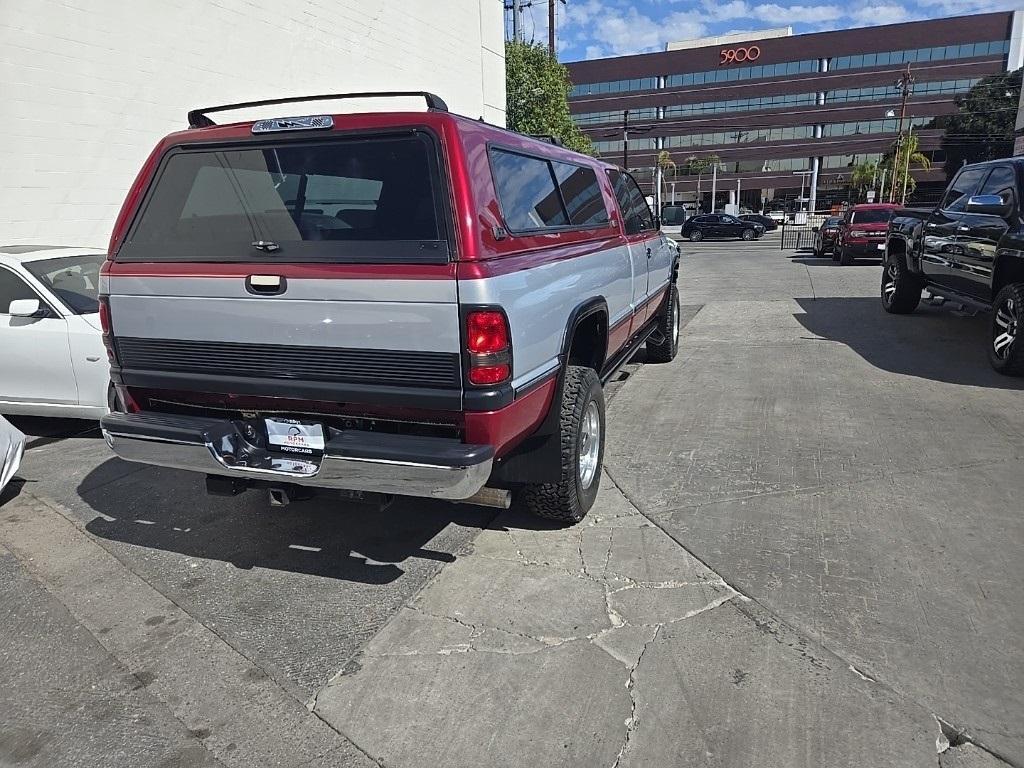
(675, 323)
(889, 284)
(1006, 326)
(590, 444)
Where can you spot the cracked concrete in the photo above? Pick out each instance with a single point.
(603, 644)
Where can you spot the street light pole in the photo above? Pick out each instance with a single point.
(625, 139)
(714, 185)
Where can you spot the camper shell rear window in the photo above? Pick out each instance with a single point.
(351, 199)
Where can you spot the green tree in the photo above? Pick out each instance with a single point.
(538, 95)
(982, 127)
(863, 177)
(895, 160)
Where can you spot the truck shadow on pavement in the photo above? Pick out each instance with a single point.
(168, 510)
(935, 342)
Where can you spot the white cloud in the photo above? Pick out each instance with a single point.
(797, 14)
(872, 15)
(736, 9)
(962, 7)
(633, 32)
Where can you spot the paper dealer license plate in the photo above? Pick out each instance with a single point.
(295, 436)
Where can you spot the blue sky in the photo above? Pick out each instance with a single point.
(591, 29)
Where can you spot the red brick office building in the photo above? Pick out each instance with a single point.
(780, 110)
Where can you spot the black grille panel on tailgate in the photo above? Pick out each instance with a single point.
(271, 361)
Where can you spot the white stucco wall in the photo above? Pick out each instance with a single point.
(87, 87)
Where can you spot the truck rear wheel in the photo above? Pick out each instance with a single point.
(581, 431)
(845, 257)
(668, 327)
(1006, 348)
(901, 291)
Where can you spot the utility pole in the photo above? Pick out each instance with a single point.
(516, 31)
(905, 85)
(551, 28)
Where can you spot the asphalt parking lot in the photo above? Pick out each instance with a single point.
(806, 552)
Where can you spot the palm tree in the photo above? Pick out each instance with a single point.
(665, 162)
(904, 156)
(700, 166)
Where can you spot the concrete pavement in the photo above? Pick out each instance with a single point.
(804, 553)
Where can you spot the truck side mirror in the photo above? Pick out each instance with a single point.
(990, 205)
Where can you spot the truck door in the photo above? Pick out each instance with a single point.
(979, 234)
(940, 251)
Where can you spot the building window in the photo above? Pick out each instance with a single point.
(890, 125)
(614, 116)
(635, 145)
(731, 74)
(914, 55)
(887, 92)
(849, 161)
(614, 86)
(749, 136)
(740, 105)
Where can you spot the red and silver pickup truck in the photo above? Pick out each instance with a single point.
(409, 303)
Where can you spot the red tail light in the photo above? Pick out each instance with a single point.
(105, 326)
(486, 332)
(487, 341)
(105, 315)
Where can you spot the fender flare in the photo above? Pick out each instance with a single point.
(538, 458)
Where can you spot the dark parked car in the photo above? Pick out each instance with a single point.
(825, 236)
(712, 225)
(768, 223)
(970, 249)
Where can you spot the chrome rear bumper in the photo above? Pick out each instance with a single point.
(353, 460)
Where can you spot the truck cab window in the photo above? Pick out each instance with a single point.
(961, 189)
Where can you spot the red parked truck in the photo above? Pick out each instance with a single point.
(862, 232)
(404, 302)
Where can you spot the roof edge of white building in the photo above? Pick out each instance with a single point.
(735, 37)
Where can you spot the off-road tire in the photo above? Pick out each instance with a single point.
(900, 289)
(567, 501)
(1008, 318)
(845, 257)
(668, 326)
(747, 234)
(696, 236)
(834, 253)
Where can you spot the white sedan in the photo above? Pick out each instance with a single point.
(52, 359)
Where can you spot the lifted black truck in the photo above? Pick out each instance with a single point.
(970, 249)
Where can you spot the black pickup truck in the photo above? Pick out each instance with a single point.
(970, 249)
